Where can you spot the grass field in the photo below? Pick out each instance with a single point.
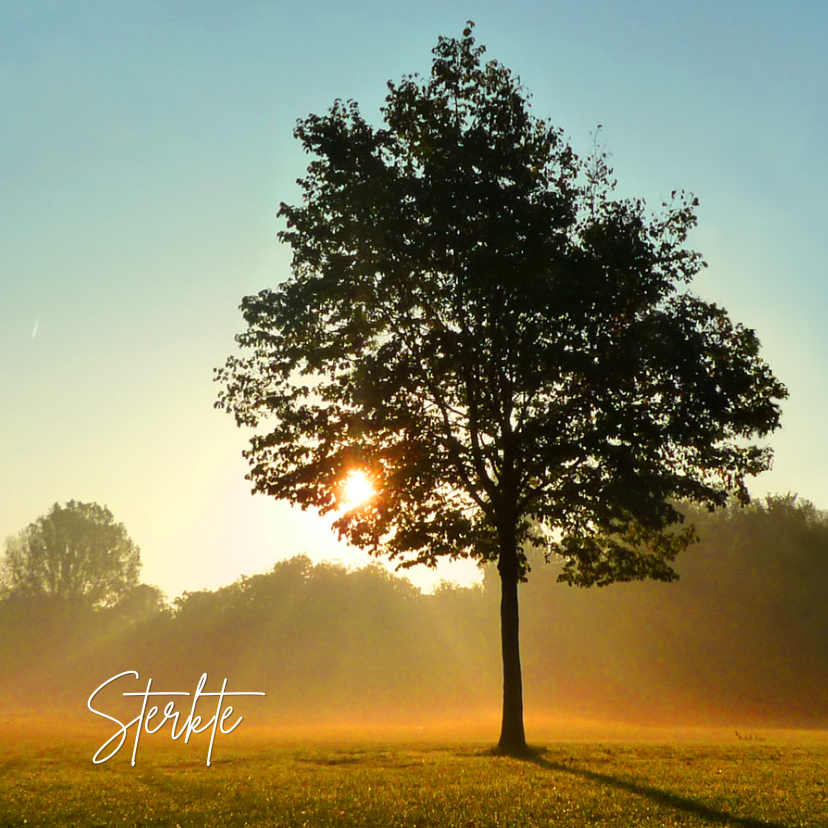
(278, 778)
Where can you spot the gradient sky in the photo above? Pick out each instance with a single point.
(145, 147)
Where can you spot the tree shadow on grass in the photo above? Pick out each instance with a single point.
(660, 797)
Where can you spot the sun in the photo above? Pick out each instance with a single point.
(356, 490)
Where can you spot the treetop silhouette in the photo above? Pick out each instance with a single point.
(476, 323)
(75, 555)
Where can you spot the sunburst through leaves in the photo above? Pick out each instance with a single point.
(356, 490)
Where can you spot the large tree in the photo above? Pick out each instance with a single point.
(75, 556)
(508, 351)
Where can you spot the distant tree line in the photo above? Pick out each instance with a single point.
(741, 638)
(743, 635)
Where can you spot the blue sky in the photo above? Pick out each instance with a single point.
(144, 150)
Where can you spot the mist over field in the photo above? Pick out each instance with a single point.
(740, 640)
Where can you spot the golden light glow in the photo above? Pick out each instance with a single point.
(356, 490)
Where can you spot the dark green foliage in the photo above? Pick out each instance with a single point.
(474, 320)
(477, 323)
(76, 555)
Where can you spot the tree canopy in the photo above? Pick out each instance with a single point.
(478, 324)
(76, 555)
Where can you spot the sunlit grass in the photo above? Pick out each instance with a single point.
(48, 779)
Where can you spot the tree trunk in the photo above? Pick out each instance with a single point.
(512, 736)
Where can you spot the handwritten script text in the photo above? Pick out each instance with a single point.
(192, 724)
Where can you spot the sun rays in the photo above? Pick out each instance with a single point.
(356, 490)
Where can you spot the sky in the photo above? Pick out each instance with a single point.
(145, 147)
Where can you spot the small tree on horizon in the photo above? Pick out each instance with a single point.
(75, 556)
(476, 323)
